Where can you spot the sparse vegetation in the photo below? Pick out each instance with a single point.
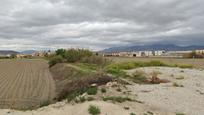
(180, 77)
(103, 90)
(55, 59)
(177, 85)
(149, 112)
(90, 98)
(139, 77)
(117, 99)
(94, 110)
(75, 94)
(132, 114)
(180, 114)
(44, 103)
(92, 91)
(117, 68)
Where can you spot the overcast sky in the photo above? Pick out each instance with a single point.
(99, 24)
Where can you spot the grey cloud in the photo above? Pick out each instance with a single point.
(98, 24)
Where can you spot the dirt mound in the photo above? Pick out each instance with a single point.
(70, 78)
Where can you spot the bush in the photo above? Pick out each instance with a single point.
(80, 99)
(92, 91)
(60, 52)
(103, 90)
(74, 55)
(94, 110)
(139, 77)
(55, 59)
(132, 114)
(75, 94)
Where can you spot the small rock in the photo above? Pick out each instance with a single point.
(94, 85)
(111, 84)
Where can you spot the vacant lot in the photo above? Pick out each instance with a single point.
(197, 63)
(25, 84)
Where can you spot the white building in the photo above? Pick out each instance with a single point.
(199, 52)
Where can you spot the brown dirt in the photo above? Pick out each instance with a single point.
(25, 84)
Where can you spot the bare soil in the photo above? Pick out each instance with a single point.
(25, 84)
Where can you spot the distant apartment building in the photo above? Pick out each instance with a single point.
(200, 52)
(134, 54)
(177, 54)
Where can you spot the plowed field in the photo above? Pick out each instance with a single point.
(25, 84)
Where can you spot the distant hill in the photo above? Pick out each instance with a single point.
(28, 52)
(166, 47)
(7, 52)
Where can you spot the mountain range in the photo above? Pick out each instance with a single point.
(6, 52)
(166, 47)
(28, 52)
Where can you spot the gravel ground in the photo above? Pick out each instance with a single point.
(188, 99)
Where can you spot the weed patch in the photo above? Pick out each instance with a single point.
(117, 99)
(94, 110)
(92, 91)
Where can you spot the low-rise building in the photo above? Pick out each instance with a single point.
(199, 52)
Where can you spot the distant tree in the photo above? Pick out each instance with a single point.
(60, 52)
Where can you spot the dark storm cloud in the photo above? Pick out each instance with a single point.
(98, 24)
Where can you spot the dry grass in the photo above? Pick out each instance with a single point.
(197, 63)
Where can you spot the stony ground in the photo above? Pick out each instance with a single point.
(187, 98)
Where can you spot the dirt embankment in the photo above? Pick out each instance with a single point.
(70, 78)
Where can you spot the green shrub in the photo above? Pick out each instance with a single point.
(92, 91)
(74, 55)
(79, 99)
(55, 59)
(60, 52)
(75, 94)
(44, 103)
(177, 85)
(94, 110)
(132, 114)
(103, 90)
